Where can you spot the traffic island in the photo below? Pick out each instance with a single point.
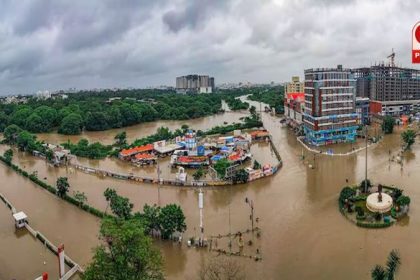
(371, 206)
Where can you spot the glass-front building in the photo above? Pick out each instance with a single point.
(330, 114)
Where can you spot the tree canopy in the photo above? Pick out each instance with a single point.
(125, 253)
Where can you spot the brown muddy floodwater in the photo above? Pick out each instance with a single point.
(303, 234)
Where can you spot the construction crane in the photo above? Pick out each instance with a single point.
(392, 58)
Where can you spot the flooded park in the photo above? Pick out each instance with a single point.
(303, 235)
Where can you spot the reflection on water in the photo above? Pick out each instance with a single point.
(303, 234)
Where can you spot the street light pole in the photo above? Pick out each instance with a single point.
(251, 204)
(366, 161)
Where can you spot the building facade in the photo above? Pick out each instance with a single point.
(330, 114)
(294, 86)
(392, 86)
(362, 110)
(195, 84)
(294, 107)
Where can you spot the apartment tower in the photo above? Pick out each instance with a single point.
(330, 114)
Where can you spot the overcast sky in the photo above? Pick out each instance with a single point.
(54, 44)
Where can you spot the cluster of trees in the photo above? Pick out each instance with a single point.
(126, 250)
(235, 103)
(273, 96)
(24, 140)
(166, 220)
(89, 150)
(95, 111)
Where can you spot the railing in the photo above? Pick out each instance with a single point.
(38, 235)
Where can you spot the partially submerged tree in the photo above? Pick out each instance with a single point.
(62, 186)
(120, 206)
(171, 219)
(8, 156)
(198, 174)
(80, 197)
(388, 272)
(221, 268)
(221, 166)
(409, 137)
(241, 176)
(256, 165)
(167, 220)
(388, 125)
(125, 253)
(121, 138)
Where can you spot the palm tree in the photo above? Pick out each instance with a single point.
(387, 273)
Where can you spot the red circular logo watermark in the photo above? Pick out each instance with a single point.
(417, 33)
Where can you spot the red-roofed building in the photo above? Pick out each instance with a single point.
(294, 107)
(128, 154)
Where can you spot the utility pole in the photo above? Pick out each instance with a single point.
(251, 205)
(158, 174)
(366, 161)
(201, 206)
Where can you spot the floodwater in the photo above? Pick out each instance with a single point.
(303, 234)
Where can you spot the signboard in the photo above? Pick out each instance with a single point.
(416, 43)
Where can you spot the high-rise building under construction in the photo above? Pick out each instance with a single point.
(392, 90)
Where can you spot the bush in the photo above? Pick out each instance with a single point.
(372, 225)
(403, 200)
(362, 185)
(346, 193)
(360, 211)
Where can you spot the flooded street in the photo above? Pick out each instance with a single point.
(304, 236)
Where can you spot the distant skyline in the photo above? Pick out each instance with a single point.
(54, 44)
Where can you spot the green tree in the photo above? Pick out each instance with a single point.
(48, 116)
(34, 123)
(150, 218)
(256, 165)
(11, 133)
(388, 272)
(96, 121)
(253, 110)
(115, 119)
(120, 206)
(20, 116)
(184, 128)
(80, 197)
(26, 141)
(171, 219)
(121, 138)
(8, 155)
(221, 166)
(409, 137)
(71, 124)
(63, 186)
(241, 176)
(198, 173)
(4, 120)
(125, 253)
(388, 125)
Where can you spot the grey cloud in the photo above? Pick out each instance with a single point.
(46, 44)
(193, 13)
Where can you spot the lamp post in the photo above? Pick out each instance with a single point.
(366, 141)
(251, 205)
